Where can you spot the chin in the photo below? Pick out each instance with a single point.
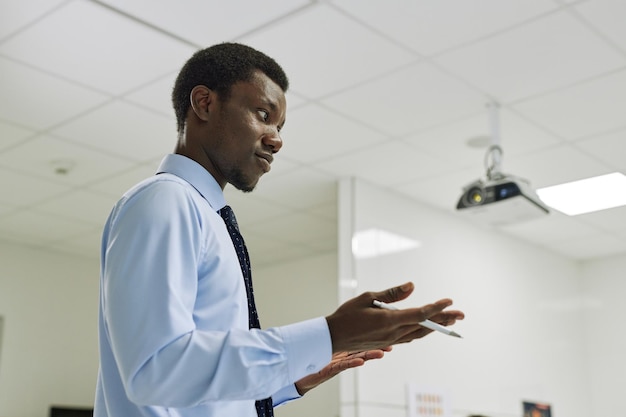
(245, 182)
(247, 189)
(245, 186)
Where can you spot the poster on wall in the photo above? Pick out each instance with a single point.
(533, 409)
(427, 401)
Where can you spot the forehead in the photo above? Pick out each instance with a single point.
(262, 89)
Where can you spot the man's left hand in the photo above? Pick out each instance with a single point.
(339, 363)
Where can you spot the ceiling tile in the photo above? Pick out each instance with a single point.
(85, 245)
(34, 228)
(299, 189)
(314, 133)
(324, 244)
(361, 79)
(251, 208)
(387, 164)
(123, 129)
(450, 141)
(265, 250)
(432, 27)
(21, 190)
(441, 191)
(552, 229)
(609, 148)
(326, 210)
(11, 135)
(85, 206)
(156, 96)
(6, 208)
(296, 227)
(533, 58)
(310, 43)
(211, 21)
(591, 247)
(117, 184)
(16, 15)
(43, 155)
(294, 100)
(33, 99)
(95, 58)
(556, 165)
(417, 97)
(607, 16)
(621, 234)
(610, 220)
(582, 110)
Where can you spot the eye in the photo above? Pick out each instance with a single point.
(265, 115)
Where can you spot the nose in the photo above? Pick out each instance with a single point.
(273, 140)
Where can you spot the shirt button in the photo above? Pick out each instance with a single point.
(310, 368)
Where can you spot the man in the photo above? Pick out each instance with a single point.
(177, 323)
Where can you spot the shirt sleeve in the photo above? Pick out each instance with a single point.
(285, 395)
(149, 284)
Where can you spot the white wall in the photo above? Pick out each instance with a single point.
(523, 335)
(604, 287)
(49, 352)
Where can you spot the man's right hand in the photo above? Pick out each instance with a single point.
(357, 325)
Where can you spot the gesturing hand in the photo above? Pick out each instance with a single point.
(339, 363)
(359, 326)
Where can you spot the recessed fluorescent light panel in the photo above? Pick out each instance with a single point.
(371, 243)
(586, 196)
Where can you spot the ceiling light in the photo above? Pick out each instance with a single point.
(586, 196)
(376, 242)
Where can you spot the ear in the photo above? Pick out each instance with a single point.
(201, 98)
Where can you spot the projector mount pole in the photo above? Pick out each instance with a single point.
(493, 157)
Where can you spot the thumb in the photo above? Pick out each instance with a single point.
(396, 293)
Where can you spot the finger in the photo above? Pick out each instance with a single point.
(340, 355)
(394, 294)
(382, 350)
(435, 309)
(373, 354)
(412, 333)
(369, 354)
(416, 315)
(447, 318)
(339, 367)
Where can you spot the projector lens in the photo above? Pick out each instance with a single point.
(475, 196)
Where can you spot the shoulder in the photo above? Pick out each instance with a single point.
(161, 199)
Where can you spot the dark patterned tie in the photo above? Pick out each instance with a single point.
(264, 408)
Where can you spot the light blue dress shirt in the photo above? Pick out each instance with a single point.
(173, 323)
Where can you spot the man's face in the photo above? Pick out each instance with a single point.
(245, 131)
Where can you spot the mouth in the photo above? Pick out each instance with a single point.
(266, 161)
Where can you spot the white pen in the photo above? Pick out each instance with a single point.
(426, 323)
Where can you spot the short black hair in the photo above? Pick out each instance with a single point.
(219, 67)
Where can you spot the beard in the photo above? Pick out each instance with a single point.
(241, 182)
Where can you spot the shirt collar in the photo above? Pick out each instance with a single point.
(195, 174)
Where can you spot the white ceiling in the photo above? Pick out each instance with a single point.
(389, 92)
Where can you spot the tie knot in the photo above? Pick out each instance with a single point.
(228, 215)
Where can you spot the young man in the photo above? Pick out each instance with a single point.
(178, 326)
